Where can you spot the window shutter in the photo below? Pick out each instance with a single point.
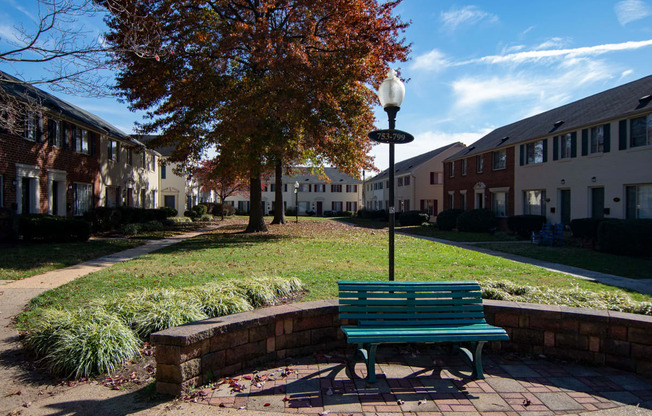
(92, 136)
(622, 135)
(585, 142)
(545, 150)
(117, 151)
(422, 204)
(555, 148)
(52, 131)
(64, 133)
(606, 148)
(73, 142)
(522, 154)
(574, 144)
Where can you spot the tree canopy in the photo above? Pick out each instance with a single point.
(261, 81)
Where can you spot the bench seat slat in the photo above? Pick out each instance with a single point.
(409, 316)
(345, 296)
(412, 302)
(379, 310)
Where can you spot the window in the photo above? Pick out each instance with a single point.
(285, 187)
(534, 202)
(55, 133)
(320, 187)
(428, 206)
(641, 131)
(451, 170)
(272, 187)
(31, 127)
(499, 159)
(534, 152)
(113, 150)
(406, 181)
(451, 200)
(82, 198)
(305, 187)
(464, 163)
(400, 181)
(434, 178)
(499, 204)
(351, 206)
(143, 198)
(336, 188)
(163, 172)
(130, 156)
(337, 206)
(597, 139)
(351, 188)
(565, 146)
(403, 205)
(638, 201)
(479, 163)
(81, 140)
(463, 200)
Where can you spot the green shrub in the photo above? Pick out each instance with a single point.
(447, 219)
(413, 218)
(206, 217)
(628, 237)
(226, 209)
(169, 211)
(289, 212)
(525, 225)
(477, 220)
(51, 228)
(83, 342)
(177, 220)
(133, 229)
(191, 214)
(586, 228)
(200, 209)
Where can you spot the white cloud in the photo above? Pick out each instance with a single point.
(468, 15)
(555, 42)
(531, 90)
(536, 55)
(626, 73)
(431, 61)
(628, 11)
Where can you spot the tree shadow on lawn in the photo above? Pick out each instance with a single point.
(224, 240)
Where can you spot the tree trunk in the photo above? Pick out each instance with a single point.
(279, 212)
(256, 219)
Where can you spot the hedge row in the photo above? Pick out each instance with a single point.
(107, 219)
(51, 228)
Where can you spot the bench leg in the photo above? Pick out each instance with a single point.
(477, 360)
(368, 352)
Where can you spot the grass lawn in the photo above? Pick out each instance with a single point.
(317, 251)
(634, 268)
(31, 259)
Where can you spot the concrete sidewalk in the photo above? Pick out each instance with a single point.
(638, 285)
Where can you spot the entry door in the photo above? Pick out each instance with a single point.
(26, 196)
(597, 202)
(565, 206)
(55, 198)
(320, 208)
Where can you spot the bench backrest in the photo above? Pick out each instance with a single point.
(397, 303)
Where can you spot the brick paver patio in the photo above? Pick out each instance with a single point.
(429, 381)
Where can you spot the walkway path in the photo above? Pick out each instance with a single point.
(638, 285)
(514, 387)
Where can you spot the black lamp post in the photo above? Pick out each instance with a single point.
(296, 199)
(391, 93)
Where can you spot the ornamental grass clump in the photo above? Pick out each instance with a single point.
(82, 342)
(510, 291)
(267, 290)
(219, 300)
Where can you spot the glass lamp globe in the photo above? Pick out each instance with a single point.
(391, 91)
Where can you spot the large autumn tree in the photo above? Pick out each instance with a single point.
(264, 82)
(215, 176)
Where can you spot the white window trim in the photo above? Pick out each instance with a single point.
(32, 172)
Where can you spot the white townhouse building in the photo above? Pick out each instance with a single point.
(419, 183)
(336, 192)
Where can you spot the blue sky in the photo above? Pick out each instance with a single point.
(476, 65)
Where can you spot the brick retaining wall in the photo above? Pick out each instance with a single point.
(193, 354)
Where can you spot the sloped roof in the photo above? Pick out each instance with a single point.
(303, 176)
(623, 101)
(411, 163)
(165, 151)
(27, 92)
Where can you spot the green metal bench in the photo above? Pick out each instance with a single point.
(408, 312)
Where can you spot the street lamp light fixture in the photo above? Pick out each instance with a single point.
(391, 93)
